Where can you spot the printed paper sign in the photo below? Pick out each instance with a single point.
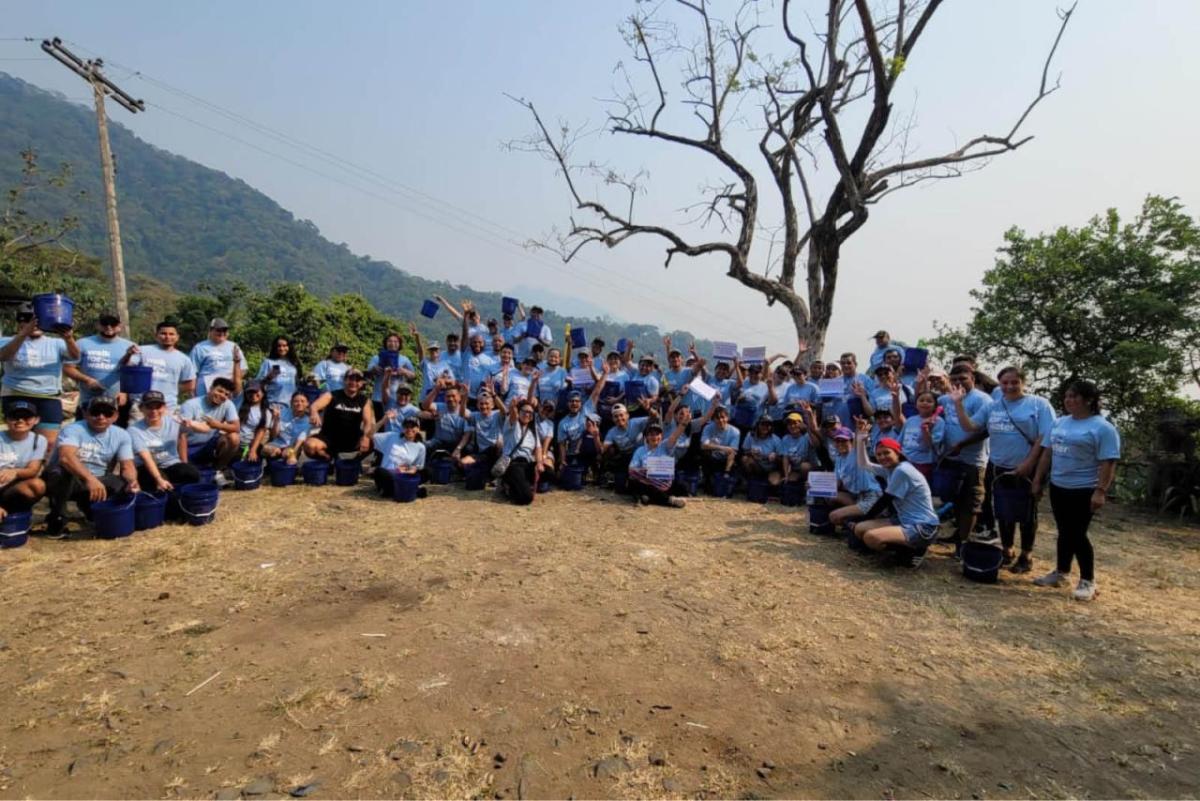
(822, 485)
(725, 351)
(660, 466)
(702, 389)
(581, 378)
(831, 387)
(754, 355)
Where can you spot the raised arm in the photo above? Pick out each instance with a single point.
(416, 335)
(450, 307)
(958, 395)
(862, 433)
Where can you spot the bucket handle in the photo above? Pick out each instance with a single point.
(128, 506)
(17, 533)
(262, 468)
(185, 510)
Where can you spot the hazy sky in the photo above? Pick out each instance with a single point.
(413, 92)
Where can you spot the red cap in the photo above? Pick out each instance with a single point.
(888, 442)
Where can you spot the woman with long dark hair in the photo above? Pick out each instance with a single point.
(1080, 464)
(280, 371)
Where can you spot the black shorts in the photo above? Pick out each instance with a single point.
(335, 444)
(50, 411)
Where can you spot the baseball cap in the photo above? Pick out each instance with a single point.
(355, 373)
(149, 398)
(105, 402)
(21, 406)
(574, 394)
(252, 386)
(433, 346)
(218, 323)
(841, 432)
(619, 407)
(108, 318)
(340, 346)
(888, 442)
(796, 416)
(403, 390)
(595, 418)
(879, 333)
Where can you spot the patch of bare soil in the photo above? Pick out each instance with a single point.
(322, 642)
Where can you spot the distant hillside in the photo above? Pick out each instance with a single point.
(184, 223)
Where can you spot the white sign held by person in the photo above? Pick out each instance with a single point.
(725, 351)
(754, 355)
(702, 389)
(822, 485)
(581, 378)
(660, 466)
(831, 387)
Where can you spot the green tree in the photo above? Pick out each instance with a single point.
(1118, 304)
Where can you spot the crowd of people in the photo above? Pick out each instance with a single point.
(501, 400)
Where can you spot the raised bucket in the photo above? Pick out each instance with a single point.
(509, 305)
(757, 490)
(723, 484)
(534, 327)
(198, 503)
(149, 510)
(136, 379)
(114, 518)
(405, 487)
(818, 519)
(688, 481)
(315, 472)
(440, 471)
(247, 475)
(854, 406)
(791, 493)
(915, 358)
(429, 308)
(571, 477)
(634, 389)
(1012, 499)
(946, 481)
(283, 474)
(14, 529)
(476, 475)
(622, 345)
(578, 338)
(346, 472)
(54, 311)
(389, 358)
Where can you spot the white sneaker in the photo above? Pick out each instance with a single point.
(1051, 579)
(1085, 590)
(220, 479)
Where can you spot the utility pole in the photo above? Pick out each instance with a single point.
(101, 87)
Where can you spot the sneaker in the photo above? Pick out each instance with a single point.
(56, 527)
(1024, 564)
(677, 503)
(643, 500)
(220, 480)
(1085, 590)
(1051, 579)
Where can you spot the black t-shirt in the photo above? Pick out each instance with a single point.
(343, 417)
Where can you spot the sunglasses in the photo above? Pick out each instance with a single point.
(24, 318)
(21, 416)
(102, 412)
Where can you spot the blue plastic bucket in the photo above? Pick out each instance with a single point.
(688, 481)
(534, 327)
(545, 485)
(946, 481)
(315, 472)
(150, 510)
(634, 389)
(791, 493)
(818, 519)
(1012, 499)
(247, 475)
(208, 475)
(389, 358)
(136, 379)
(14, 529)
(440, 471)
(571, 477)
(198, 503)
(346, 472)
(578, 338)
(476, 475)
(622, 345)
(981, 562)
(405, 487)
(915, 358)
(743, 418)
(54, 311)
(429, 308)
(852, 540)
(114, 518)
(757, 490)
(854, 406)
(509, 305)
(723, 484)
(283, 474)
(311, 392)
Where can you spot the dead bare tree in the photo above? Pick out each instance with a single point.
(829, 100)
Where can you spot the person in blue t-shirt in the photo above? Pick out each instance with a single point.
(81, 467)
(217, 357)
(33, 368)
(578, 432)
(174, 373)
(280, 372)
(922, 436)
(621, 440)
(650, 488)
(966, 451)
(760, 452)
(212, 425)
(331, 371)
(517, 470)
(485, 426)
(160, 446)
(719, 443)
(256, 418)
(857, 488)
(1080, 463)
(289, 429)
(22, 454)
(914, 525)
(99, 369)
(401, 452)
(795, 446)
(452, 427)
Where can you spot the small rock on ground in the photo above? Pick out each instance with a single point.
(610, 767)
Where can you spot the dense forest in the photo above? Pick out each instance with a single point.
(191, 227)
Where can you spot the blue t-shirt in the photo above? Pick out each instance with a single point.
(476, 368)
(545, 429)
(486, 428)
(795, 449)
(638, 462)
(857, 480)
(171, 368)
(1015, 427)
(912, 440)
(518, 385)
(162, 443)
(100, 358)
(552, 382)
(95, 450)
(840, 407)
(398, 452)
(676, 380)
(212, 361)
(291, 429)
(36, 367)
(519, 442)
(751, 401)
(976, 405)
(778, 410)
(402, 362)
(18, 453)
(1079, 446)
(626, 440)
(432, 370)
(761, 449)
(685, 439)
(331, 374)
(450, 426)
(711, 435)
(250, 424)
(402, 413)
(281, 388)
(910, 494)
(801, 392)
(572, 428)
(198, 408)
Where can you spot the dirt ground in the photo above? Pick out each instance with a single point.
(321, 642)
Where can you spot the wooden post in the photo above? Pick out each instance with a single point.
(110, 204)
